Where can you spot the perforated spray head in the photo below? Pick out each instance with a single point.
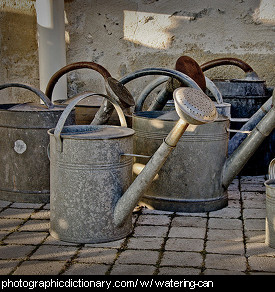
(194, 106)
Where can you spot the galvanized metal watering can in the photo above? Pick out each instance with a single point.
(92, 193)
(24, 164)
(88, 113)
(245, 96)
(270, 206)
(178, 76)
(196, 175)
(181, 76)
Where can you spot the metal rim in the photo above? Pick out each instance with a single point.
(271, 169)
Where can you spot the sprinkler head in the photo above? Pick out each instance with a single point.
(194, 106)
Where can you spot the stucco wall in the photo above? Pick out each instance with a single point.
(127, 35)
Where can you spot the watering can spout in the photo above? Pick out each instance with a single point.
(185, 99)
(106, 188)
(129, 200)
(242, 154)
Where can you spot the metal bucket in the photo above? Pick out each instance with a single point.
(270, 206)
(190, 180)
(24, 163)
(88, 176)
(246, 96)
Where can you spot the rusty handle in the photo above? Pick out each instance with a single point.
(71, 67)
(37, 91)
(227, 61)
(72, 104)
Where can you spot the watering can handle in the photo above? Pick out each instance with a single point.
(72, 67)
(38, 92)
(271, 169)
(183, 78)
(229, 61)
(78, 98)
(186, 80)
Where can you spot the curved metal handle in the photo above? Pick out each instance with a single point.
(147, 90)
(37, 91)
(271, 169)
(72, 104)
(183, 78)
(227, 61)
(155, 83)
(186, 80)
(71, 67)
(210, 85)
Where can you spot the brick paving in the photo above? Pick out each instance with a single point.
(230, 241)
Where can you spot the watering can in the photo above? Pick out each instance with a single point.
(196, 175)
(246, 96)
(270, 206)
(25, 167)
(185, 66)
(87, 113)
(92, 193)
(182, 78)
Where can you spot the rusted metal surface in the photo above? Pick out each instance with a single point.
(227, 61)
(187, 66)
(113, 88)
(71, 67)
(190, 67)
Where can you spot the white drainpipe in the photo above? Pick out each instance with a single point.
(51, 44)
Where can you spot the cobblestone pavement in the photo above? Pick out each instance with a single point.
(230, 241)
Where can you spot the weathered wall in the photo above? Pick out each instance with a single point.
(18, 48)
(126, 35)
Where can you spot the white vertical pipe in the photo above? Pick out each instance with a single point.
(51, 44)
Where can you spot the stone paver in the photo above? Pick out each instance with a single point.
(187, 232)
(230, 241)
(226, 262)
(182, 259)
(138, 257)
(96, 255)
(152, 243)
(39, 268)
(136, 269)
(186, 244)
(86, 269)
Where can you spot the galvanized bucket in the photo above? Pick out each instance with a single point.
(270, 206)
(190, 180)
(24, 163)
(88, 176)
(246, 96)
